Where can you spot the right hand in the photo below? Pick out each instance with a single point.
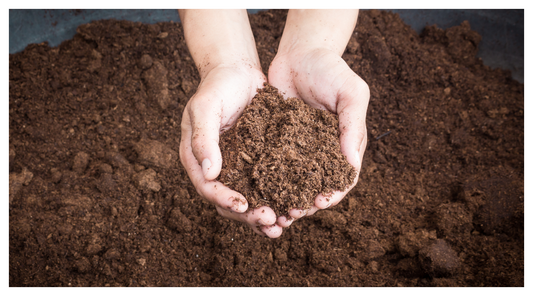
(221, 97)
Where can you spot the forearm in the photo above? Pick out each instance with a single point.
(312, 28)
(219, 37)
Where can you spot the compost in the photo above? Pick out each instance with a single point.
(282, 153)
(98, 197)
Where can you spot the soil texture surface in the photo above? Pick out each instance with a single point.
(98, 197)
(282, 153)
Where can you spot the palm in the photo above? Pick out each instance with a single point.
(219, 101)
(228, 91)
(323, 80)
(314, 77)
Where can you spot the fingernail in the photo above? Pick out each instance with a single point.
(329, 204)
(206, 165)
(259, 221)
(238, 205)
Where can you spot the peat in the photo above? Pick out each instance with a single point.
(92, 201)
(283, 153)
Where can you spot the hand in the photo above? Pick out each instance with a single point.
(221, 98)
(322, 79)
(222, 45)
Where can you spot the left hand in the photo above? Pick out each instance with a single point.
(322, 79)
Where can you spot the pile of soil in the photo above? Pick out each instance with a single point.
(283, 153)
(98, 196)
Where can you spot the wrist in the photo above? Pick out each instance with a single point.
(219, 37)
(224, 60)
(308, 30)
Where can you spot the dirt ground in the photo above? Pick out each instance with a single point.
(98, 197)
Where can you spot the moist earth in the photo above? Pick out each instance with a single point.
(98, 197)
(282, 153)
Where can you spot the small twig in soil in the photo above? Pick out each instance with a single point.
(383, 135)
(246, 157)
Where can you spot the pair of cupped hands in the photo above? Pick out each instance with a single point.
(317, 75)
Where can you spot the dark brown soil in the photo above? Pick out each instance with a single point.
(98, 196)
(283, 153)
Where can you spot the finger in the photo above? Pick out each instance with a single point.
(213, 191)
(323, 202)
(204, 120)
(312, 211)
(298, 213)
(272, 231)
(261, 220)
(262, 216)
(284, 221)
(353, 100)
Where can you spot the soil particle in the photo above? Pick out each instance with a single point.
(154, 153)
(373, 266)
(280, 255)
(221, 266)
(106, 183)
(410, 243)
(410, 267)
(55, 175)
(439, 259)
(112, 254)
(324, 261)
(138, 167)
(118, 160)
(105, 168)
(463, 43)
(502, 209)
(79, 201)
(377, 50)
(141, 261)
(94, 246)
(453, 217)
(83, 265)
(147, 180)
(145, 61)
(156, 82)
(12, 154)
(370, 250)
(330, 219)
(178, 221)
(80, 162)
(283, 153)
(17, 180)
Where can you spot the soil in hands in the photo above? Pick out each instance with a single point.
(98, 197)
(283, 153)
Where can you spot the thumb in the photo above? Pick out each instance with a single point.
(205, 123)
(353, 103)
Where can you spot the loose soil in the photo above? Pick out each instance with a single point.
(283, 153)
(98, 196)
